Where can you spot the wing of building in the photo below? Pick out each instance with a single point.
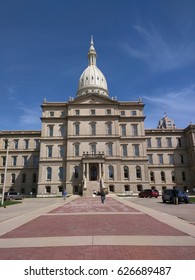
(94, 141)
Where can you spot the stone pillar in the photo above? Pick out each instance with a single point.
(100, 173)
(87, 171)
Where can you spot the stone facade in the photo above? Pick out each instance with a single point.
(95, 141)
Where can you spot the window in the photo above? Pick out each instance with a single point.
(61, 151)
(76, 172)
(111, 188)
(50, 130)
(183, 176)
(3, 161)
(136, 150)
(26, 144)
(138, 172)
(16, 142)
(108, 111)
(152, 176)
(122, 113)
(127, 188)
(123, 129)
(14, 160)
(6, 143)
(13, 178)
(48, 189)
(93, 128)
(77, 112)
(139, 188)
(150, 159)
(160, 159)
(51, 114)
(92, 111)
(158, 141)
(110, 172)
(173, 176)
(37, 143)
(110, 149)
(62, 130)
(162, 174)
(25, 160)
(62, 114)
(61, 173)
(171, 161)
(35, 161)
(49, 173)
(76, 150)
(169, 142)
(23, 178)
(134, 129)
(124, 150)
(181, 159)
(93, 149)
(34, 178)
(109, 128)
(148, 142)
(49, 151)
(77, 128)
(133, 113)
(2, 178)
(126, 172)
(179, 142)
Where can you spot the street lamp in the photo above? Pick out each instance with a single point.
(5, 174)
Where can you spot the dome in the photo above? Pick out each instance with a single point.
(92, 80)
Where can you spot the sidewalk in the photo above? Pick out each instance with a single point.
(84, 228)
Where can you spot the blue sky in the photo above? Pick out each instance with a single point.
(145, 48)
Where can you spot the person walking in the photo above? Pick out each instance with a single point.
(175, 196)
(103, 195)
(64, 194)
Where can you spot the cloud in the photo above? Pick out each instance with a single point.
(178, 104)
(159, 54)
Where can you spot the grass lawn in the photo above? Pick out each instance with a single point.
(192, 199)
(10, 202)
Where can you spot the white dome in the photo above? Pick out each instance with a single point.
(92, 80)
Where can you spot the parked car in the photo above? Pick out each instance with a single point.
(168, 195)
(149, 193)
(13, 195)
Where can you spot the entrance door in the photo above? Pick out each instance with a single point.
(93, 172)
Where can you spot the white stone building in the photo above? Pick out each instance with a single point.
(94, 141)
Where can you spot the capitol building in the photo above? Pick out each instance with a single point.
(94, 141)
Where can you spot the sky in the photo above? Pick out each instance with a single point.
(145, 49)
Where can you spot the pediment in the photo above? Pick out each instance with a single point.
(93, 99)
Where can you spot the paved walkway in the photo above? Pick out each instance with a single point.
(84, 228)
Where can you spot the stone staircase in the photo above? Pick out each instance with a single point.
(91, 187)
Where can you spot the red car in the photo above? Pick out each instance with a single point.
(149, 193)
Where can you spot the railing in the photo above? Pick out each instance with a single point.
(93, 155)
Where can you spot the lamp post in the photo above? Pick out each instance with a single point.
(5, 174)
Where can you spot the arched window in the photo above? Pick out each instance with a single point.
(110, 172)
(138, 172)
(126, 172)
